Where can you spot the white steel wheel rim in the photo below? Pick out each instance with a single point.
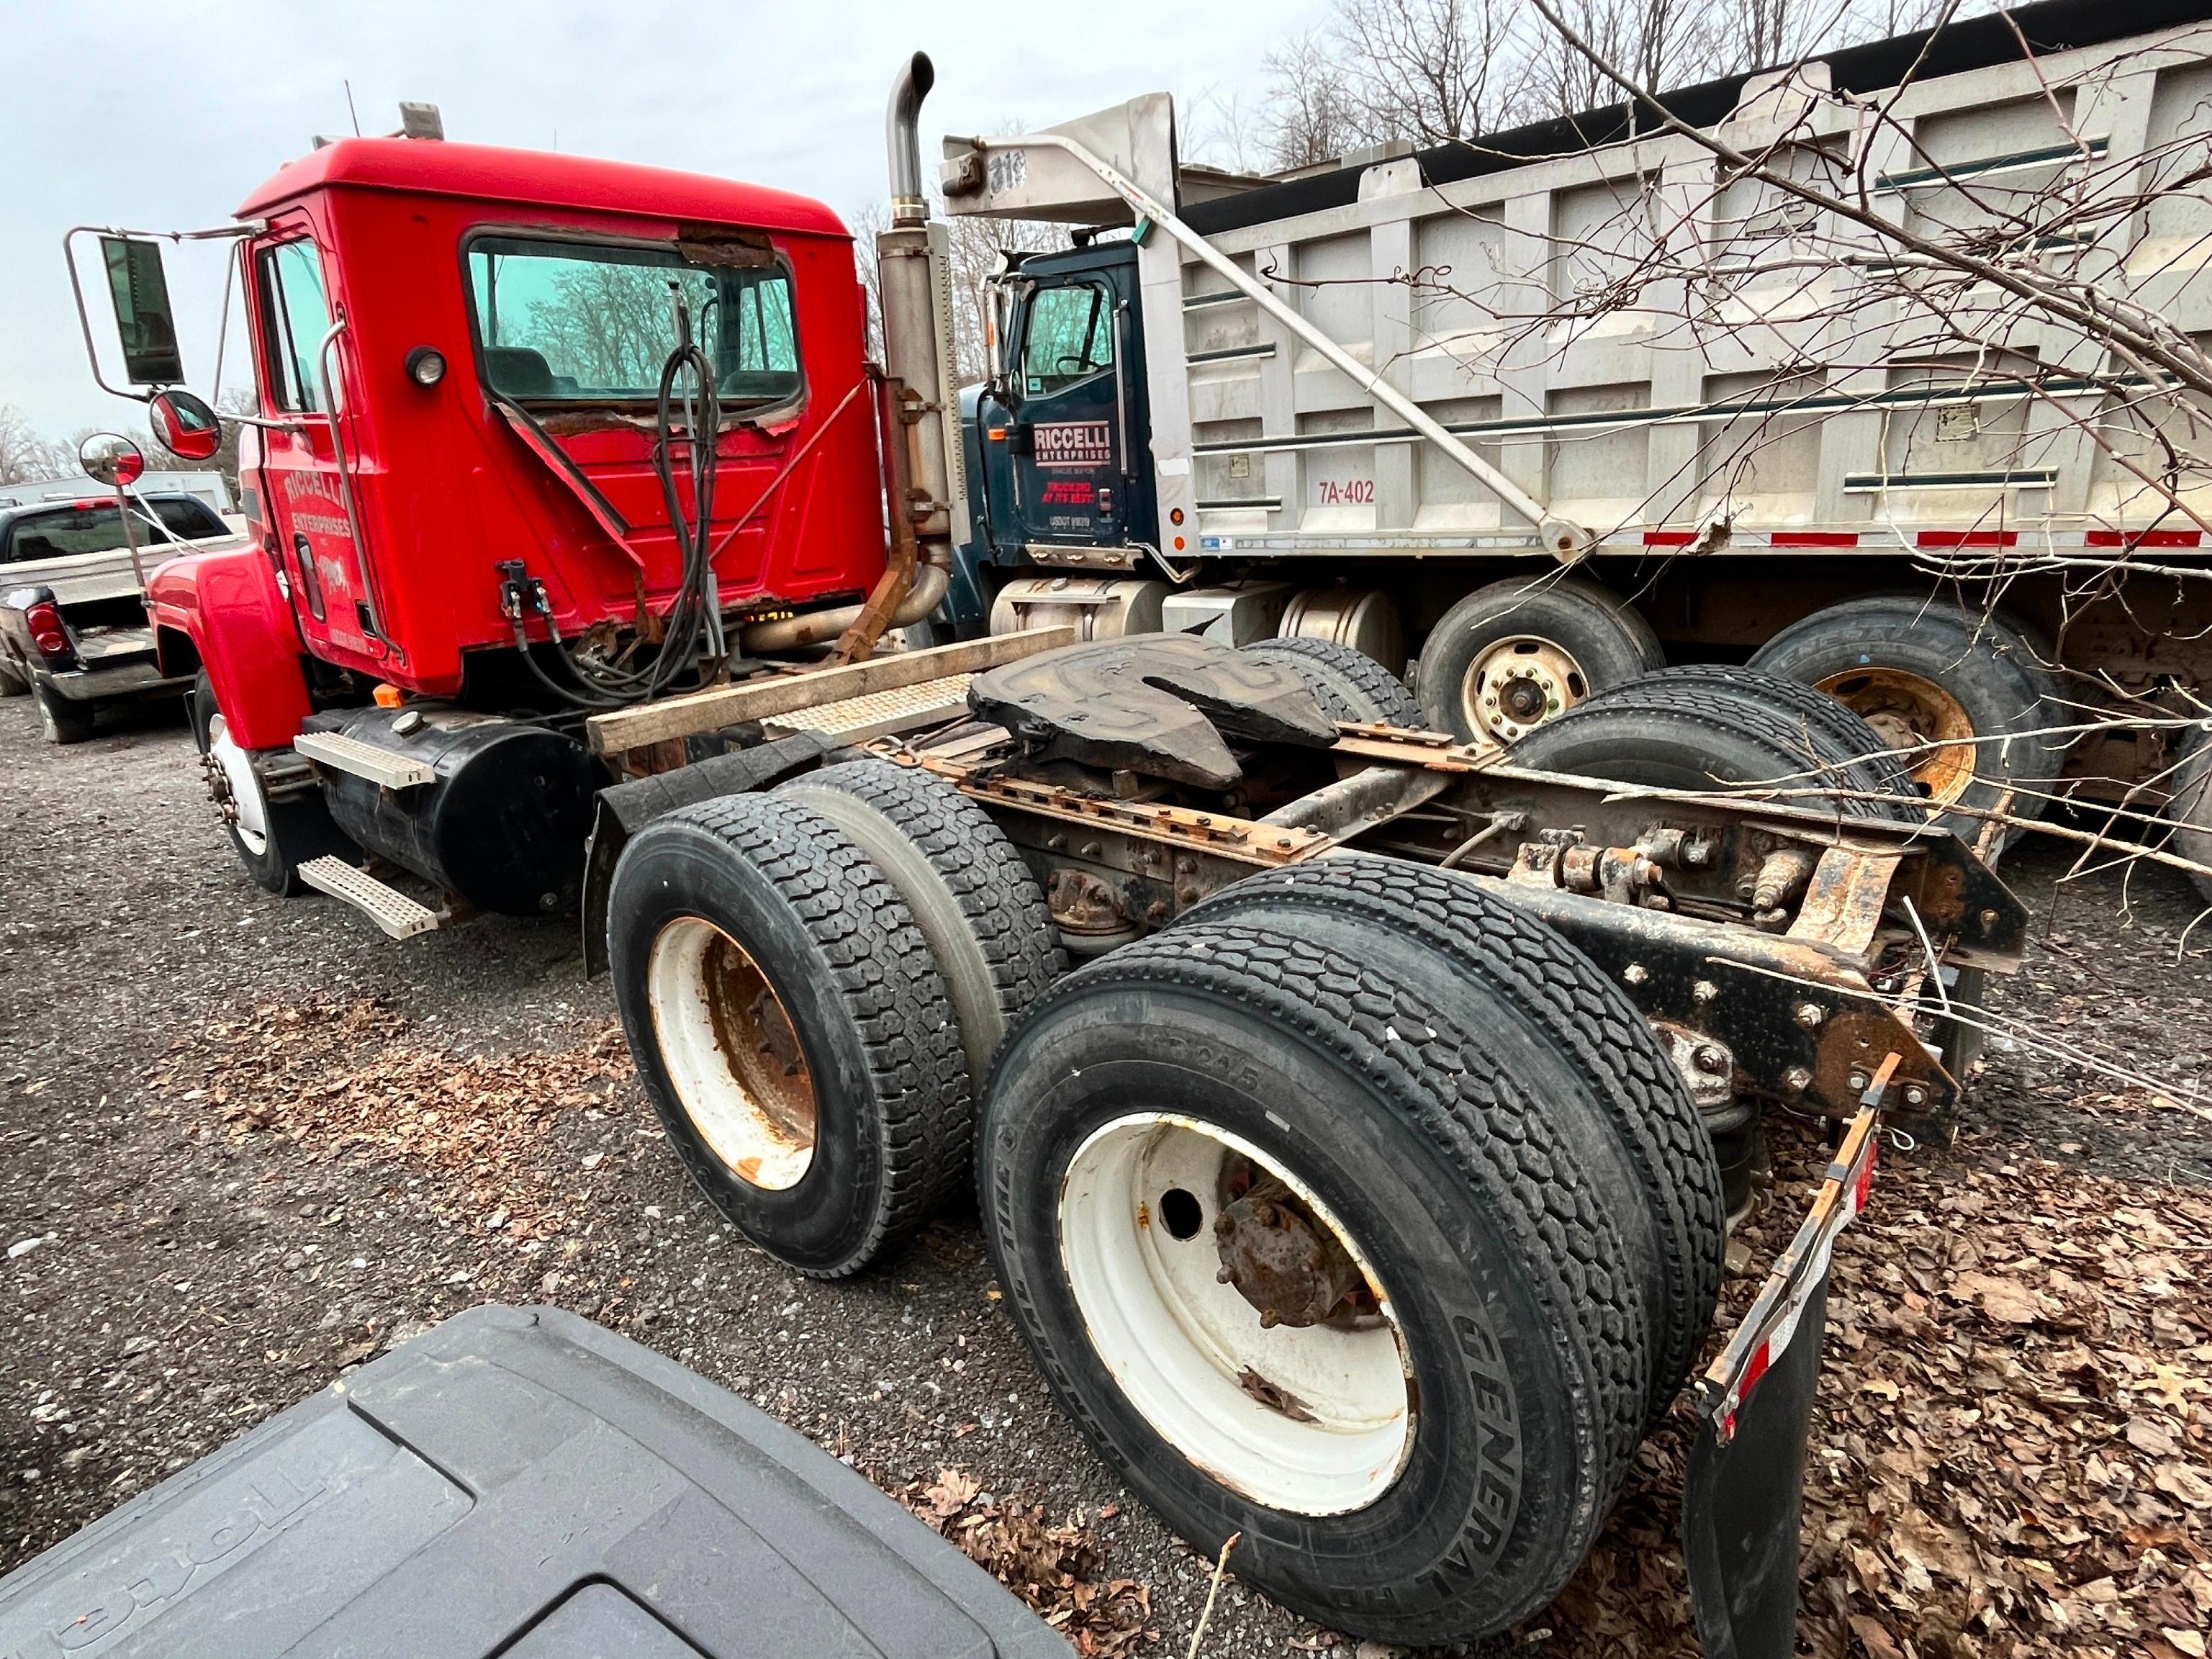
(1520, 668)
(251, 810)
(729, 1095)
(1185, 1348)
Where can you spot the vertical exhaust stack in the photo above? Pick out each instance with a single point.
(914, 283)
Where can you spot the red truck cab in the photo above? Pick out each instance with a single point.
(462, 347)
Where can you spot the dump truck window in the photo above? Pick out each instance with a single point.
(1071, 335)
(582, 322)
(295, 315)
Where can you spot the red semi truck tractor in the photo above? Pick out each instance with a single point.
(1362, 1189)
(482, 507)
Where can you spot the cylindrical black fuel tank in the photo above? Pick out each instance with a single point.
(504, 823)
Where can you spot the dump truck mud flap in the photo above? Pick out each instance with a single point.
(1745, 1491)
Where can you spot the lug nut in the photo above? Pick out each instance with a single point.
(1810, 1014)
(1705, 991)
(1797, 1080)
(1710, 1060)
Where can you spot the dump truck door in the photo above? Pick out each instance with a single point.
(1074, 438)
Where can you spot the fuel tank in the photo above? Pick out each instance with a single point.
(503, 821)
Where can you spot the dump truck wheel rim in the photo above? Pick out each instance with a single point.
(1519, 682)
(1313, 1420)
(1917, 717)
(732, 1055)
(246, 798)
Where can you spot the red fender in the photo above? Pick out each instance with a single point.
(226, 603)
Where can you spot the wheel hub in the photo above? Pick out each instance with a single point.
(1519, 682)
(1293, 1271)
(1919, 719)
(1266, 1354)
(732, 1055)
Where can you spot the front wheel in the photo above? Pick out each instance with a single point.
(273, 839)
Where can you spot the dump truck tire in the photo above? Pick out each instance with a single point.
(1350, 684)
(790, 1026)
(272, 838)
(1685, 734)
(976, 901)
(1876, 769)
(1634, 1125)
(1930, 669)
(1432, 1465)
(1539, 645)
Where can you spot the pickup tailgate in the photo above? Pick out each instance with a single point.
(1744, 1495)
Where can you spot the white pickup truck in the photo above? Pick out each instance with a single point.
(73, 630)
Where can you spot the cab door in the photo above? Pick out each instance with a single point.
(1070, 433)
(319, 550)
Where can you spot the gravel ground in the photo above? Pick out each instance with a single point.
(255, 1141)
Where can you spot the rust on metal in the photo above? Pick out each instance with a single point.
(1844, 900)
(1290, 1265)
(754, 1033)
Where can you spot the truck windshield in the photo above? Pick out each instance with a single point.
(592, 323)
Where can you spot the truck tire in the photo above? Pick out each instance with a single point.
(974, 899)
(1219, 1087)
(12, 682)
(61, 721)
(273, 839)
(1687, 734)
(1511, 655)
(1643, 1142)
(1922, 669)
(1349, 684)
(790, 1027)
(1876, 768)
(2190, 808)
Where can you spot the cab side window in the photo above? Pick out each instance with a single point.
(1071, 337)
(295, 315)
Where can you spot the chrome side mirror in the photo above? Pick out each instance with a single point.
(187, 426)
(111, 458)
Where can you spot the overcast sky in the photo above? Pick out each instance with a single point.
(164, 116)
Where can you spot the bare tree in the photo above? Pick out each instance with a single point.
(1308, 115)
(27, 456)
(1431, 71)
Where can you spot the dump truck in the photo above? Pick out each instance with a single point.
(1357, 1110)
(1451, 405)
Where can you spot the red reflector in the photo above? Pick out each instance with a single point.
(2145, 539)
(1967, 539)
(1813, 539)
(1669, 538)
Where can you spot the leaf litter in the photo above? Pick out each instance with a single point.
(2011, 1451)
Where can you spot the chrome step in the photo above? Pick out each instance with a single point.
(880, 714)
(398, 916)
(363, 760)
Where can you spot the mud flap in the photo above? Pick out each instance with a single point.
(1744, 1495)
(625, 808)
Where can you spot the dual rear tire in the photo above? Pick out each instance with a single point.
(1356, 1214)
(813, 981)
